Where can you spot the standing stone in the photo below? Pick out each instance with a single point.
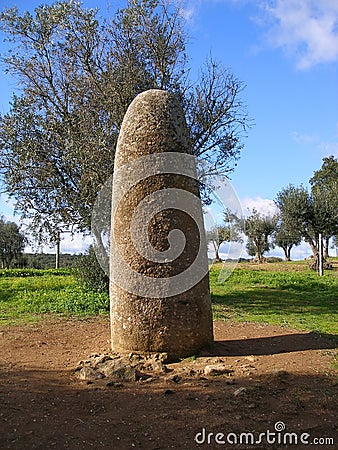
(159, 288)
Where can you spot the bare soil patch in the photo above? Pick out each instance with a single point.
(275, 375)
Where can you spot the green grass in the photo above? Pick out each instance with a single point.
(26, 296)
(286, 294)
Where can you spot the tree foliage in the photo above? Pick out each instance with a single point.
(311, 213)
(78, 74)
(259, 229)
(12, 243)
(327, 176)
(324, 189)
(229, 231)
(296, 207)
(286, 237)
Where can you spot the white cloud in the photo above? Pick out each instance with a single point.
(189, 9)
(188, 12)
(302, 251)
(75, 244)
(306, 29)
(7, 209)
(264, 206)
(329, 148)
(303, 138)
(69, 244)
(326, 147)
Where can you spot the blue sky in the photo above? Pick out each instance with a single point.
(286, 53)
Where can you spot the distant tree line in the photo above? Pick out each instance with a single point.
(302, 214)
(47, 260)
(12, 243)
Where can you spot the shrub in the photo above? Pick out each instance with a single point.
(89, 272)
(273, 259)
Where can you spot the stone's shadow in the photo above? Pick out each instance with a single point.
(43, 409)
(273, 345)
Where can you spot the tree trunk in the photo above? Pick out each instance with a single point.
(8, 261)
(258, 256)
(216, 249)
(57, 251)
(314, 247)
(289, 253)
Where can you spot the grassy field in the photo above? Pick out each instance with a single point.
(27, 295)
(286, 294)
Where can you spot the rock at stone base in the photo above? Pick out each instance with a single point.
(152, 362)
(159, 367)
(100, 359)
(117, 369)
(121, 368)
(137, 357)
(215, 370)
(89, 374)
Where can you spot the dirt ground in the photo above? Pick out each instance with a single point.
(278, 378)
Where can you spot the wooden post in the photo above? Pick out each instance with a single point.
(320, 255)
(57, 251)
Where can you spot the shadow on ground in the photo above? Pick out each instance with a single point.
(47, 409)
(273, 345)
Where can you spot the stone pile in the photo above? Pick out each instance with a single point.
(116, 369)
(122, 368)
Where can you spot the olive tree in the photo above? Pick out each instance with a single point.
(229, 231)
(77, 74)
(324, 190)
(285, 238)
(308, 213)
(259, 229)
